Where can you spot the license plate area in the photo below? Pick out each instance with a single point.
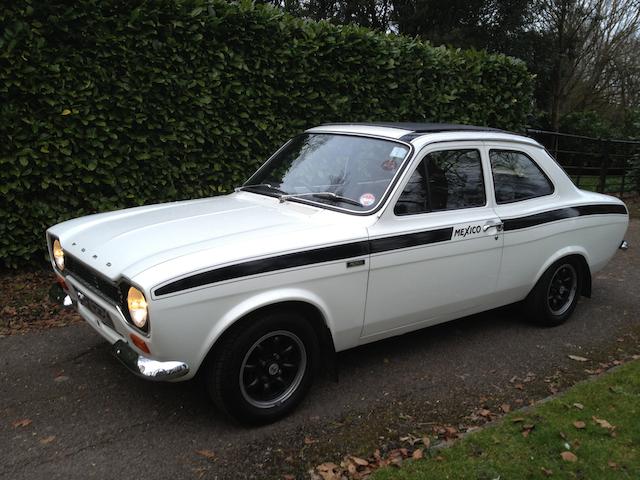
(102, 315)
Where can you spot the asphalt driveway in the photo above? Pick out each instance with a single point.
(69, 410)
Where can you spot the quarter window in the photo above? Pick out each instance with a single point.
(517, 177)
(444, 180)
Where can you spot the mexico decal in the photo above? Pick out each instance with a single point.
(466, 230)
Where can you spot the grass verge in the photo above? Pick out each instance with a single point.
(590, 432)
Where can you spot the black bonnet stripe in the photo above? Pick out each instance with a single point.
(377, 245)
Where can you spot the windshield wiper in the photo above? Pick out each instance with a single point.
(269, 186)
(331, 195)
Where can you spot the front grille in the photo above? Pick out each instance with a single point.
(92, 279)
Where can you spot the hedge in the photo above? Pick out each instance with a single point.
(106, 104)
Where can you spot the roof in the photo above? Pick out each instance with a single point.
(408, 131)
(423, 127)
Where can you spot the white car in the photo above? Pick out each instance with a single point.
(348, 234)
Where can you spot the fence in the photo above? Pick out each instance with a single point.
(597, 164)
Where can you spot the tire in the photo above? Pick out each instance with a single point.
(555, 296)
(262, 369)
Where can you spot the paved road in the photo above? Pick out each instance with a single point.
(92, 419)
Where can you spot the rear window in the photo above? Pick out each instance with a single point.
(517, 177)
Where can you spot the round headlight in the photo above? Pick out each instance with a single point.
(58, 254)
(137, 307)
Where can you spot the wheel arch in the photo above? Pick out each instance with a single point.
(579, 254)
(312, 309)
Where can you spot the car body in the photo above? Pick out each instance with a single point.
(442, 221)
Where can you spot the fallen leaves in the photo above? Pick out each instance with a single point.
(410, 439)
(569, 457)
(208, 454)
(21, 423)
(328, 471)
(578, 358)
(603, 423)
(60, 378)
(527, 428)
(505, 407)
(579, 424)
(27, 306)
(47, 440)
(518, 383)
(358, 468)
(309, 441)
(579, 406)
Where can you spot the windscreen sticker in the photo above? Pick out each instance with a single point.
(398, 152)
(367, 199)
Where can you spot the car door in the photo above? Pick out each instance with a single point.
(436, 250)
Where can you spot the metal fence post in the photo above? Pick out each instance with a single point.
(604, 166)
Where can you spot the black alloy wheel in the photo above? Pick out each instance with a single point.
(562, 289)
(272, 369)
(555, 296)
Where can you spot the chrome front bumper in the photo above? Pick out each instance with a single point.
(147, 368)
(138, 364)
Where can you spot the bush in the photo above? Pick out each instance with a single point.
(111, 103)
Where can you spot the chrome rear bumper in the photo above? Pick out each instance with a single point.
(145, 367)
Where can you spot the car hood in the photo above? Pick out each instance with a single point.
(197, 234)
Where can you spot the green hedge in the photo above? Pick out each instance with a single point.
(111, 103)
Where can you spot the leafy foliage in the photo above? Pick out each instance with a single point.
(108, 104)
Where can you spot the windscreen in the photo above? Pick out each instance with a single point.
(348, 172)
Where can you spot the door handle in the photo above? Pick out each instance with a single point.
(494, 224)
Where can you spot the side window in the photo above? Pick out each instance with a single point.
(414, 197)
(444, 180)
(517, 177)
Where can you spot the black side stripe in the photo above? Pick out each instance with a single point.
(290, 260)
(308, 257)
(377, 245)
(410, 240)
(561, 214)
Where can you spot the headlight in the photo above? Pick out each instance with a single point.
(137, 307)
(58, 254)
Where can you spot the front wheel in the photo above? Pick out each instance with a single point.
(555, 296)
(261, 371)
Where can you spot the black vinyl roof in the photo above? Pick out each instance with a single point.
(418, 129)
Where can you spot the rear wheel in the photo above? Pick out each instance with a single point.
(261, 370)
(555, 296)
